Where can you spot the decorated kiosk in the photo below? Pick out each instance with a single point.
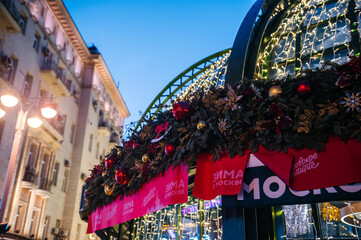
(260, 143)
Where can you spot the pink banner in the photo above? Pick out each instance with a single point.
(160, 192)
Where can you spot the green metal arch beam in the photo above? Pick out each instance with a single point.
(184, 78)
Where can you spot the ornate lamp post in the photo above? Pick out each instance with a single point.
(47, 111)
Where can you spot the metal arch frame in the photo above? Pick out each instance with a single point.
(248, 40)
(180, 82)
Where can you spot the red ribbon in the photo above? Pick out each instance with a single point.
(160, 128)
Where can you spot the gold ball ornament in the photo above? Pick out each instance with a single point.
(274, 91)
(104, 173)
(201, 125)
(145, 158)
(108, 190)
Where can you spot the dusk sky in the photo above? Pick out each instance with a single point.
(146, 43)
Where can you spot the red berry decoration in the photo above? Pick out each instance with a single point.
(135, 145)
(121, 177)
(169, 150)
(304, 88)
(109, 163)
(181, 110)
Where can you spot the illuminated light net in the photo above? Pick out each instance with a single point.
(310, 33)
(214, 76)
(183, 221)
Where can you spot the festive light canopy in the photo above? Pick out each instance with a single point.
(310, 33)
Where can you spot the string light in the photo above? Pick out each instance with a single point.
(213, 76)
(164, 223)
(298, 220)
(322, 26)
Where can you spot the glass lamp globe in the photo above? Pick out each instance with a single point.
(9, 100)
(2, 113)
(48, 111)
(34, 122)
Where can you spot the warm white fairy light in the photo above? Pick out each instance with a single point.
(321, 24)
(214, 76)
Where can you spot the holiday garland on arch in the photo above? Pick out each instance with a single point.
(299, 112)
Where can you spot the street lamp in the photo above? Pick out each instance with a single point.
(9, 100)
(2, 113)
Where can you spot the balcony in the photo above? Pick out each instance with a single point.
(114, 140)
(30, 174)
(55, 78)
(58, 123)
(44, 184)
(10, 16)
(44, 187)
(103, 128)
(6, 67)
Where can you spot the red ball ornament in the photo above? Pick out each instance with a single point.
(121, 177)
(135, 145)
(181, 110)
(169, 150)
(109, 163)
(304, 88)
(86, 193)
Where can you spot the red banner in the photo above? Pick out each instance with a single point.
(222, 177)
(304, 169)
(160, 192)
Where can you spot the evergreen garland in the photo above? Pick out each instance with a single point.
(235, 120)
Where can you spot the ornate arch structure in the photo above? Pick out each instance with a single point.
(208, 71)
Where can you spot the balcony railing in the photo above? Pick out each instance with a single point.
(30, 174)
(59, 126)
(103, 127)
(10, 6)
(6, 67)
(50, 65)
(102, 123)
(114, 138)
(44, 184)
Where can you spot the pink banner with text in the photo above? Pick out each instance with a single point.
(160, 192)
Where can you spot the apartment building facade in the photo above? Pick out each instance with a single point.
(44, 60)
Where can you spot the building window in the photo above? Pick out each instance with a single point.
(34, 222)
(27, 85)
(72, 133)
(36, 42)
(91, 136)
(103, 153)
(55, 174)
(78, 230)
(22, 21)
(46, 227)
(44, 165)
(58, 223)
(65, 180)
(97, 150)
(19, 218)
(2, 125)
(32, 155)
(8, 65)
(13, 67)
